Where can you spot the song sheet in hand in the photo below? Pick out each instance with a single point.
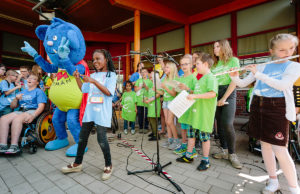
(180, 104)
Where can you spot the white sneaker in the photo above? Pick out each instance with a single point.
(165, 144)
(295, 190)
(71, 168)
(125, 131)
(176, 144)
(272, 186)
(107, 173)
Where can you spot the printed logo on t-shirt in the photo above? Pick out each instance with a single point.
(279, 136)
(96, 109)
(197, 88)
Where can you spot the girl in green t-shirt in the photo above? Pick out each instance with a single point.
(226, 105)
(141, 88)
(129, 108)
(169, 94)
(150, 101)
(187, 82)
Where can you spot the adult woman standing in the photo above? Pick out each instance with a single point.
(226, 106)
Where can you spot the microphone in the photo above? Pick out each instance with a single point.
(138, 53)
(171, 58)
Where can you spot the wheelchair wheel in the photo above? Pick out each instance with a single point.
(32, 149)
(294, 140)
(44, 129)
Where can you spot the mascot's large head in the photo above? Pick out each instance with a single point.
(52, 34)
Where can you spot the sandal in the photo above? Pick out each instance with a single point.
(107, 172)
(71, 168)
(162, 132)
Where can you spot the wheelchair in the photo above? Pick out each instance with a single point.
(39, 132)
(294, 141)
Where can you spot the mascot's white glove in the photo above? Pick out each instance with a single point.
(63, 49)
(29, 49)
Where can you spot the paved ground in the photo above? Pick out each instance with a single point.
(40, 173)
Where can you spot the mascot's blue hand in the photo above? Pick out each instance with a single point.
(28, 49)
(63, 49)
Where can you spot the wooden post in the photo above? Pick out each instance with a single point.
(137, 38)
(41, 49)
(234, 33)
(187, 39)
(298, 24)
(127, 71)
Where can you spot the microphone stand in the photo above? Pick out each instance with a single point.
(158, 168)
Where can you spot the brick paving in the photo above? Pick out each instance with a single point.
(40, 172)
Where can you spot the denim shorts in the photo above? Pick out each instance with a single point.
(165, 104)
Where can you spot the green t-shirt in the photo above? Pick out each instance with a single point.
(221, 67)
(128, 102)
(167, 96)
(190, 82)
(203, 110)
(151, 105)
(142, 93)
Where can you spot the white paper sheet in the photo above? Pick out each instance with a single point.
(180, 104)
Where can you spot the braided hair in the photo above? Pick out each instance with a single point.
(109, 62)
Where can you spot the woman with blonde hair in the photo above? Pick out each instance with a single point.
(169, 94)
(226, 105)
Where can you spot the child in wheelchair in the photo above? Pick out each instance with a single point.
(31, 102)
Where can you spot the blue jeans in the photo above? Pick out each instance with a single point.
(131, 124)
(142, 116)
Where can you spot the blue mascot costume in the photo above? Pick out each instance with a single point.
(65, 46)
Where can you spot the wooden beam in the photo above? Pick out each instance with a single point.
(224, 9)
(102, 37)
(77, 5)
(18, 31)
(158, 30)
(153, 8)
(22, 3)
